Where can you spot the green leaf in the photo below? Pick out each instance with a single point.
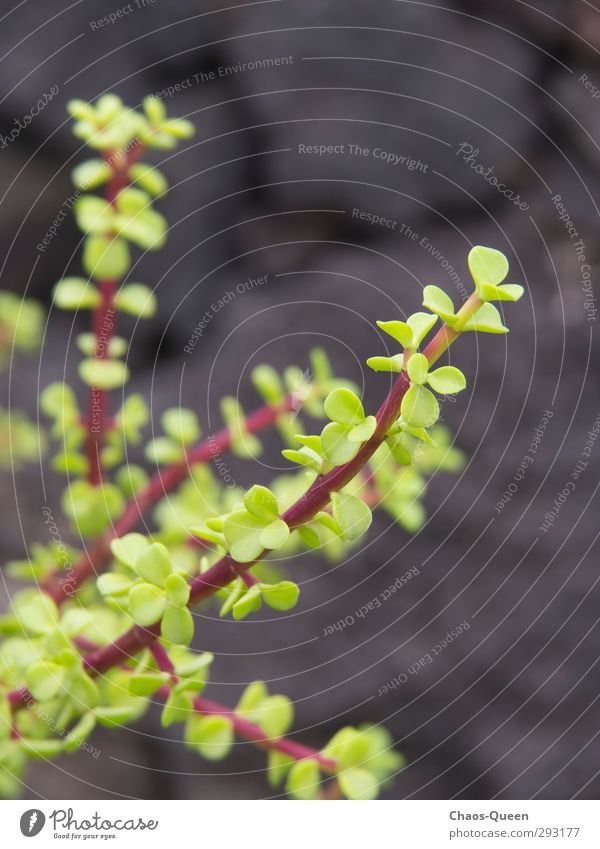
(147, 604)
(154, 564)
(358, 784)
(136, 299)
(181, 425)
(212, 736)
(209, 536)
(86, 342)
(276, 716)
(508, 292)
(344, 407)
(179, 128)
(91, 507)
(132, 417)
(75, 293)
(242, 533)
(438, 302)
(248, 603)
(447, 380)
(309, 536)
(113, 584)
(147, 683)
(419, 407)
(417, 368)
(110, 716)
(137, 221)
(278, 766)
(336, 446)
(275, 535)
(128, 548)
(268, 383)
(252, 698)
(304, 780)
(486, 320)
(487, 265)
(400, 331)
(44, 680)
(178, 590)
(106, 259)
(420, 323)
(177, 625)
(93, 214)
(150, 179)
(352, 515)
(37, 613)
(103, 374)
(364, 431)
(83, 691)
(163, 450)
(304, 457)
(393, 364)
(261, 503)
(349, 747)
(90, 174)
(40, 749)
(235, 591)
(399, 451)
(281, 596)
(178, 708)
(155, 109)
(80, 732)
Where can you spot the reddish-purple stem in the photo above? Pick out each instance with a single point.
(226, 569)
(61, 586)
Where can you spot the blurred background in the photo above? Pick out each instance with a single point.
(419, 105)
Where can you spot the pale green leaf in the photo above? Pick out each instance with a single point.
(419, 407)
(447, 380)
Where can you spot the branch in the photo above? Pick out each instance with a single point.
(254, 734)
(225, 570)
(103, 324)
(243, 727)
(60, 586)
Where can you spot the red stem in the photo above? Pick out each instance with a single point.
(103, 325)
(254, 734)
(60, 586)
(226, 569)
